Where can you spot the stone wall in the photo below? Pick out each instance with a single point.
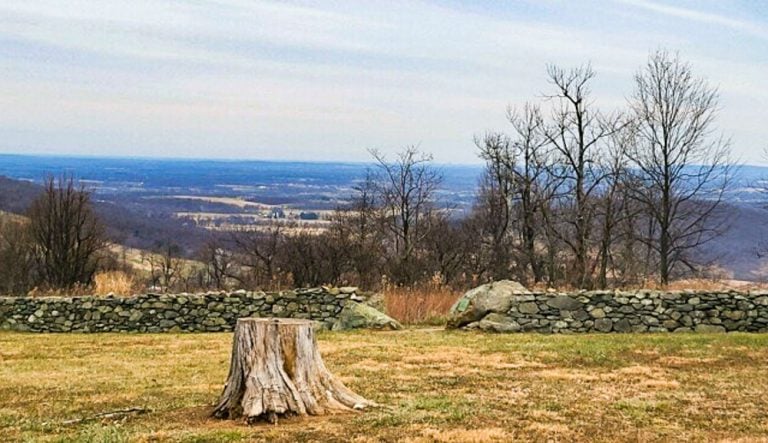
(165, 312)
(639, 311)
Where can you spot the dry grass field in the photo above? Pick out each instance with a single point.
(435, 385)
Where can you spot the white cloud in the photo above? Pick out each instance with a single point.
(256, 78)
(746, 26)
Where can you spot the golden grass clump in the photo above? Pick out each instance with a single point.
(423, 304)
(113, 282)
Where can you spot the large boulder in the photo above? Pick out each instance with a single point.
(495, 297)
(356, 315)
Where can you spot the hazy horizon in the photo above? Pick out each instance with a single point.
(476, 164)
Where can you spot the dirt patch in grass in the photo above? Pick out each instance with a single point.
(435, 386)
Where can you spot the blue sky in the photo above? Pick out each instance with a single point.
(326, 80)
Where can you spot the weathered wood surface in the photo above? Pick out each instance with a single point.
(276, 371)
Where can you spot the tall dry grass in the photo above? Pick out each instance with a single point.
(113, 282)
(419, 305)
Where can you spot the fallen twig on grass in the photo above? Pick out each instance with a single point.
(107, 415)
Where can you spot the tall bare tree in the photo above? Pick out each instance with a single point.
(406, 189)
(576, 132)
(66, 234)
(492, 216)
(683, 166)
(613, 206)
(360, 227)
(519, 174)
(532, 179)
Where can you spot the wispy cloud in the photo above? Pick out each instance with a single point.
(308, 79)
(701, 16)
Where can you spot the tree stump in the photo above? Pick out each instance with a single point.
(277, 371)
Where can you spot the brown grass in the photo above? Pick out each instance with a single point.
(427, 304)
(690, 284)
(434, 386)
(714, 285)
(113, 282)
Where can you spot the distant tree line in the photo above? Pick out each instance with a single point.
(571, 195)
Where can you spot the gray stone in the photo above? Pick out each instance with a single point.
(528, 308)
(603, 324)
(622, 325)
(597, 313)
(709, 329)
(650, 320)
(478, 302)
(580, 315)
(358, 315)
(670, 325)
(494, 322)
(564, 303)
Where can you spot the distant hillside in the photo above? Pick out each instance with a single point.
(736, 249)
(131, 227)
(139, 215)
(16, 195)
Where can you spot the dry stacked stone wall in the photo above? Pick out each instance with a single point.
(170, 312)
(639, 311)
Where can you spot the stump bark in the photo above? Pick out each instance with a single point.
(276, 371)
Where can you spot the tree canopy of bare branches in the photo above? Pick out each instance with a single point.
(576, 131)
(66, 234)
(406, 190)
(683, 167)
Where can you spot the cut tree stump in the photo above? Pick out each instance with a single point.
(277, 371)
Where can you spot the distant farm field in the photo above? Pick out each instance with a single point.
(434, 385)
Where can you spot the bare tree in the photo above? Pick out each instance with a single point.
(683, 167)
(17, 264)
(165, 265)
(219, 263)
(406, 189)
(613, 205)
(531, 178)
(446, 247)
(66, 234)
(360, 228)
(518, 170)
(258, 252)
(576, 131)
(492, 215)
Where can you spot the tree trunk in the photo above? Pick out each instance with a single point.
(277, 371)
